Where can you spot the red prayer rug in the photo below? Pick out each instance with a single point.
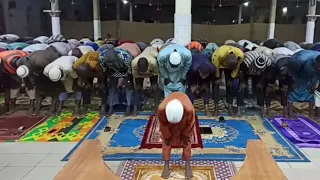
(14, 126)
(152, 135)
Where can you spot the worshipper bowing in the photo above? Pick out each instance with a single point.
(228, 59)
(257, 66)
(134, 50)
(146, 66)
(177, 120)
(117, 63)
(279, 71)
(304, 67)
(88, 68)
(61, 70)
(9, 79)
(31, 70)
(174, 62)
(200, 77)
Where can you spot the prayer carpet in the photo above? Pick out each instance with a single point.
(152, 135)
(63, 128)
(202, 170)
(301, 131)
(14, 126)
(222, 141)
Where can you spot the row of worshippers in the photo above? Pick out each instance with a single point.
(179, 67)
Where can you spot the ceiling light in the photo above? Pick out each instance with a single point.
(285, 10)
(246, 4)
(125, 2)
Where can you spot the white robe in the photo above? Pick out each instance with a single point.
(35, 47)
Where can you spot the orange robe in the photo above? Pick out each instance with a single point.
(176, 131)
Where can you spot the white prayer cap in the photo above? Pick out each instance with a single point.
(229, 42)
(55, 74)
(156, 40)
(175, 58)
(174, 111)
(23, 71)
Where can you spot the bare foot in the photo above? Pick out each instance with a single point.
(127, 111)
(103, 110)
(165, 173)
(36, 113)
(11, 111)
(110, 112)
(189, 174)
(135, 111)
(230, 111)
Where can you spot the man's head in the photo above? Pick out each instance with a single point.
(23, 71)
(232, 61)
(55, 74)
(204, 71)
(174, 111)
(143, 65)
(282, 66)
(175, 59)
(76, 52)
(108, 36)
(84, 70)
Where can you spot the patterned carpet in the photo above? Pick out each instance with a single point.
(202, 170)
(227, 141)
(63, 128)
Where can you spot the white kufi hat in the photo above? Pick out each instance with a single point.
(174, 111)
(23, 71)
(175, 58)
(55, 74)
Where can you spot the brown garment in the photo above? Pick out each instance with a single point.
(166, 152)
(175, 132)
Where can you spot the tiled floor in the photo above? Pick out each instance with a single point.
(41, 161)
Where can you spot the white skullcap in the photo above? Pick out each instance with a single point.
(174, 111)
(23, 71)
(175, 58)
(55, 74)
(229, 42)
(268, 52)
(156, 40)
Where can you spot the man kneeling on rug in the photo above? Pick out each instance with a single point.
(177, 117)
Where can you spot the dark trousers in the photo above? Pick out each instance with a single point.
(139, 86)
(262, 97)
(232, 91)
(87, 93)
(203, 87)
(114, 91)
(284, 85)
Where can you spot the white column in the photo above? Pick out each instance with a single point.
(130, 12)
(182, 22)
(272, 19)
(96, 19)
(55, 18)
(311, 21)
(240, 14)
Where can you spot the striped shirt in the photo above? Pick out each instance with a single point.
(256, 62)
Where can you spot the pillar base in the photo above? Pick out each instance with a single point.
(310, 31)
(272, 27)
(56, 29)
(182, 28)
(97, 29)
